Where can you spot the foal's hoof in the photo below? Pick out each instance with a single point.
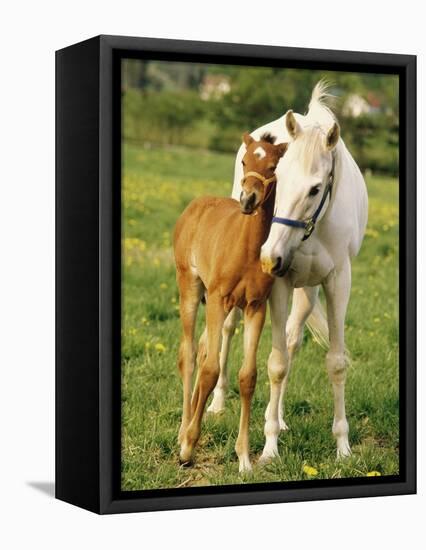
(186, 463)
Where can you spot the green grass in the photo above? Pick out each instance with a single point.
(157, 186)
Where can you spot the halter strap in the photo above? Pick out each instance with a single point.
(264, 180)
(309, 224)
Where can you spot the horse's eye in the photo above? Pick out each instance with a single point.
(243, 163)
(314, 191)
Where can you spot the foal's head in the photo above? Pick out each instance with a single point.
(259, 164)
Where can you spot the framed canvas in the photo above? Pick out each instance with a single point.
(267, 188)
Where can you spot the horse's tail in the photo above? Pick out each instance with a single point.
(318, 326)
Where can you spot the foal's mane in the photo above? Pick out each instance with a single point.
(268, 137)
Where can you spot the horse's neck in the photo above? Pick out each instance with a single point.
(256, 227)
(349, 205)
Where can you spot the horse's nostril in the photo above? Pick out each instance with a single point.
(277, 265)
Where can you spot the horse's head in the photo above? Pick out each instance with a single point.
(305, 177)
(259, 164)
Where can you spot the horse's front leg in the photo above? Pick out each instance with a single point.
(337, 289)
(254, 319)
(304, 300)
(278, 365)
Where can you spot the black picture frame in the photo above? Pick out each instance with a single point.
(88, 279)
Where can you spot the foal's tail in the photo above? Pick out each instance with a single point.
(318, 326)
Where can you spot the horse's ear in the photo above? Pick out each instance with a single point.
(293, 127)
(282, 148)
(247, 139)
(332, 137)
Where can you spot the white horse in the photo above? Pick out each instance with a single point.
(317, 178)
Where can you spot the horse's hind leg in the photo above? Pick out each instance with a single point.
(190, 290)
(207, 375)
(337, 289)
(303, 303)
(254, 320)
(218, 402)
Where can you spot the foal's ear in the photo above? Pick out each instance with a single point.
(332, 137)
(247, 139)
(293, 127)
(282, 148)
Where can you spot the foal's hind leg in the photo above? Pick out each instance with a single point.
(190, 290)
(207, 375)
(253, 323)
(303, 303)
(218, 402)
(337, 290)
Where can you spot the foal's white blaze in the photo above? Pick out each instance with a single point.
(260, 152)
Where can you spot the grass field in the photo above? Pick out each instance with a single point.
(157, 186)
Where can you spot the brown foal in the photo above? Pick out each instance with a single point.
(217, 251)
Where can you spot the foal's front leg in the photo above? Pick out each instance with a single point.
(254, 320)
(337, 289)
(278, 366)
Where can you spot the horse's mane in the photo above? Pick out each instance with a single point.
(320, 107)
(319, 119)
(268, 137)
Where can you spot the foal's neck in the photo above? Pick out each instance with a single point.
(256, 226)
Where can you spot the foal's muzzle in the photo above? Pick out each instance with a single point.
(248, 203)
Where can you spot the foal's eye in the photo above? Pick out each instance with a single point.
(314, 191)
(243, 163)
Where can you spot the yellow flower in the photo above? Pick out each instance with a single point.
(160, 347)
(310, 471)
(163, 286)
(373, 474)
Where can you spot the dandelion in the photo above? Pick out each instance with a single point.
(173, 300)
(376, 320)
(237, 331)
(147, 345)
(160, 347)
(163, 286)
(310, 470)
(156, 262)
(374, 473)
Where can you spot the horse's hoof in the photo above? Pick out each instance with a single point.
(267, 458)
(283, 425)
(215, 410)
(343, 452)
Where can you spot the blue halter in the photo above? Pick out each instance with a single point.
(309, 224)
